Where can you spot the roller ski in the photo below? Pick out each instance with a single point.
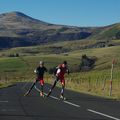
(41, 93)
(62, 98)
(28, 92)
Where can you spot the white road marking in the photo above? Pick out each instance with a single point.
(4, 110)
(71, 103)
(67, 102)
(3, 101)
(54, 97)
(45, 94)
(37, 88)
(103, 114)
(75, 105)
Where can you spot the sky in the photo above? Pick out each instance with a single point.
(67, 12)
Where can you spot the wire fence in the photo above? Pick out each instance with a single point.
(95, 82)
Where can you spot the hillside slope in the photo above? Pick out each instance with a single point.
(18, 29)
(107, 33)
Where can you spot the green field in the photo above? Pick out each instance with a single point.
(56, 48)
(96, 81)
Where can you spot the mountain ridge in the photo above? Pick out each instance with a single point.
(18, 29)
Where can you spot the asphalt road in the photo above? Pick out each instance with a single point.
(14, 106)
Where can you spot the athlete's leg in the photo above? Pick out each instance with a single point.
(42, 85)
(63, 87)
(31, 87)
(54, 84)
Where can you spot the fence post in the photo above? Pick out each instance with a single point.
(6, 79)
(96, 84)
(89, 84)
(111, 79)
(104, 83)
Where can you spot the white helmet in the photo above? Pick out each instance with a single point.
(41, 62)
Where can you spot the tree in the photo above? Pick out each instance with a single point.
(118, 35)
(17, 54)
(87, 63)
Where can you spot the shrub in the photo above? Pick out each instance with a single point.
(87, 63)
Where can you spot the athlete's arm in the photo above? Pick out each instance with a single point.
(36, 70)
(68, 72)
(58, 71)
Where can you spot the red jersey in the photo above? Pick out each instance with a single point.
(62, 69)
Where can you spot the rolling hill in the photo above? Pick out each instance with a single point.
(18, 29)
(107, 33)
